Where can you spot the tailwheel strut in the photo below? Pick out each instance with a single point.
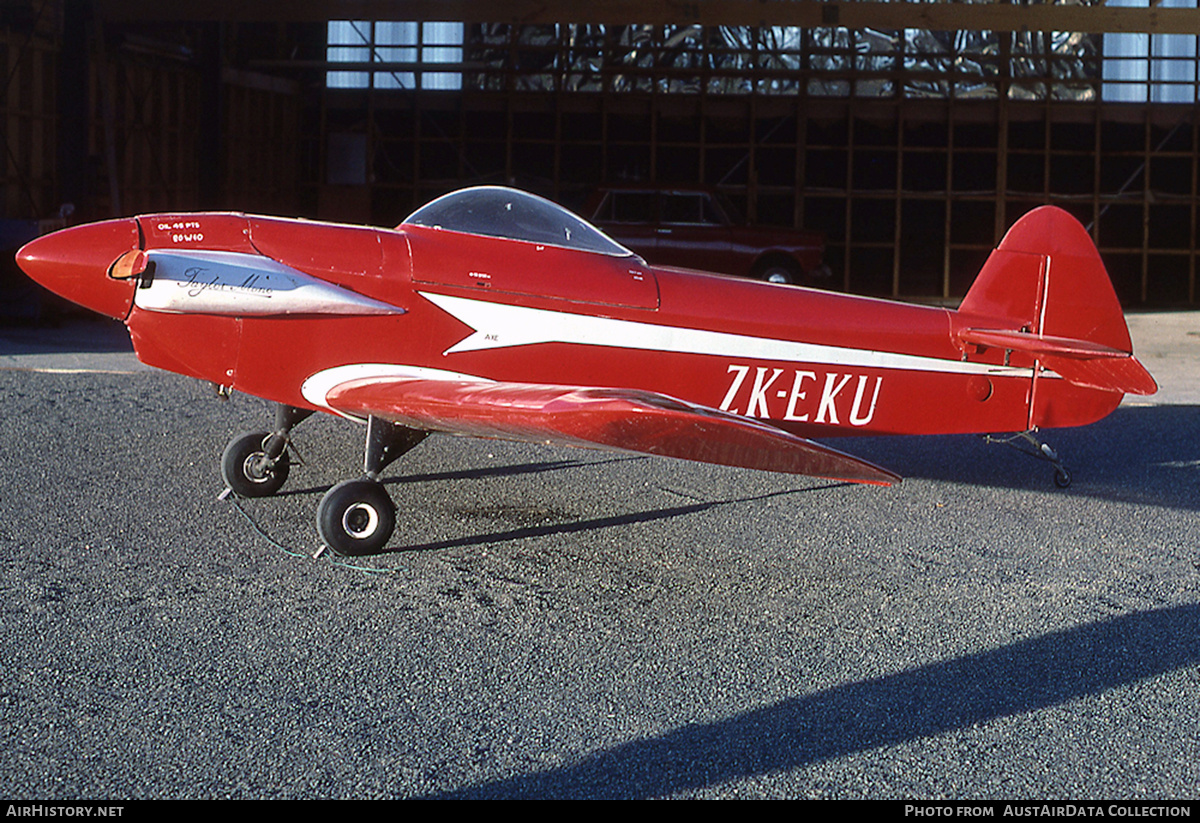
(256, 464)
(357, 517)
(1027, 443)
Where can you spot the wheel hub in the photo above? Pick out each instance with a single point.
(360, 520)
(258, 468)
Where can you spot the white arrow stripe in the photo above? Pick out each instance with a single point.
(499, 325)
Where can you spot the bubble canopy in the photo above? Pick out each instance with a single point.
(496, 211)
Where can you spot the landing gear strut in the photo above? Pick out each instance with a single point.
(256, 464)
(358, 517)
(1027, 443)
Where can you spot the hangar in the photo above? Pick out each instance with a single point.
(911, 134)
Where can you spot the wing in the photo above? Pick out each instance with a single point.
(618, 419)
(1078, 361)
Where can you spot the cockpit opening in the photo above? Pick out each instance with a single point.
(497, 211)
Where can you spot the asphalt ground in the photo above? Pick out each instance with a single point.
(566, 623)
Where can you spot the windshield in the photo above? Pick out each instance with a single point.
(495, 211)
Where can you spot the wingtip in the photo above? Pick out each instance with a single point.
(879, 477)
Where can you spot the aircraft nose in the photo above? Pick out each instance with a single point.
(75, 262)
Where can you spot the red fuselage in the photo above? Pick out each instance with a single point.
(813, 363)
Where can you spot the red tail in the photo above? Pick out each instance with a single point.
(1047, 274)
(1045, 292)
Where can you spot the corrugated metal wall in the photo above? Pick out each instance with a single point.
(914, 151)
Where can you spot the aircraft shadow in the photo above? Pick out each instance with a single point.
(506, 471)
(510, 470)
(955, 694)
(1140, 454)
(592, 524)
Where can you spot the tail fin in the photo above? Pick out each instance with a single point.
(1044, 291)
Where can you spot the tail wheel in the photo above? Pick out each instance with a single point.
(356, 517)
(247, 469)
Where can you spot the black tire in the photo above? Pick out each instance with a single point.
(1062, 477)
(356, 517)
(246, 469)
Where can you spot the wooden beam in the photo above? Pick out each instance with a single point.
(937, 16)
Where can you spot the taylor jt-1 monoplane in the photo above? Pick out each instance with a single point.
(491, 312)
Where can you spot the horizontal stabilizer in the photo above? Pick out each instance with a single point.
(619, 419)
(1078, 361)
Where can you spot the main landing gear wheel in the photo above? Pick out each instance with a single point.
(356, 517)
(248, 469)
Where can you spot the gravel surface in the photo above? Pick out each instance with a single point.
(559, 623)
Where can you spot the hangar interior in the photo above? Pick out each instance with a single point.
(912, 134)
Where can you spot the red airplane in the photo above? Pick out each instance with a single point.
(494, 313)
